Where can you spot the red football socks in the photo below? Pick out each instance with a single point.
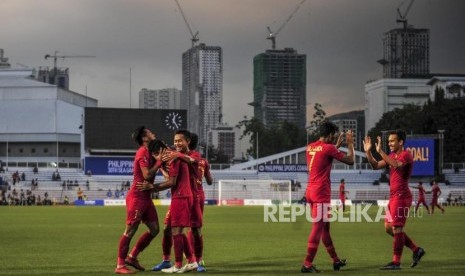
(167, 242)
(123, 249)
(178, 241)
(409, 243)
(398, 246)
(141, 244)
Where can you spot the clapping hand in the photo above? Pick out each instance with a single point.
(367, 144)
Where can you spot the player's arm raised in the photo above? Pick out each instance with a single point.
(373, 162)
(388, 160)
(149, 173)
(349, 158)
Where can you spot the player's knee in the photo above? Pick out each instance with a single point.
(154, 231)
(196, 231)
(167, 232)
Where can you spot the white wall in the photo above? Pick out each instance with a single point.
(385, 95)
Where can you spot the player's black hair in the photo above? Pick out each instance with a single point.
(194, 141)
(342, 180)
(401, 135)
(138, 134)
(156, 145)
(327, 128)
(420, 182)
(184, 132)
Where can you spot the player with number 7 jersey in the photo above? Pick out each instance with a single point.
(320, 156)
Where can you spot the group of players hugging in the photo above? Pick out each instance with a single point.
(183, 170)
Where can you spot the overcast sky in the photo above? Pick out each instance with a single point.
(341, 38)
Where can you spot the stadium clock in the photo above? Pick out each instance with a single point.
(173, 120)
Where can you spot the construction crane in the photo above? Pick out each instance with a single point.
(194, 38)
(402, 18)
(272, 35)
(55, 57)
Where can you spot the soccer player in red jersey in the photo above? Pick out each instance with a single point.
(400, 163)
(139, 205)
(320, 155)
(201, 169)
(193, 158)
(179, 216)
(196, 169)
(342, 194)
(436, 191)
(421, 197)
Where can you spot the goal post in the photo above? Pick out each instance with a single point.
(254, 192)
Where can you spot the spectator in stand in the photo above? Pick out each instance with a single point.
(109, 194)
(87, 184)
(449, 199)
(116, 193)
(66, 200)
(23, 177)
(46, 200)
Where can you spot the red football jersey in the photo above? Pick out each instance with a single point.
(143, 159)
(320, 157)
(194, 171)
(204, 169)
(399, 177)
(435, 190)
(342, 189)
(182, 187)
(421, 192)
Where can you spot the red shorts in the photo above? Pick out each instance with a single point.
(180, 212)
(422, 200)
(434, 201)
(138, 210)
(320, 211)
(342, 199)
(398, 211)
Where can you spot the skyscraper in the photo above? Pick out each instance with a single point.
(280, 82)
(406, 52)
(202, 86)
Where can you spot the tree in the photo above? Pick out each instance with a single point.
(446, 114)
(255, 130)
(318, 117)
(286, 136)
(216, 156)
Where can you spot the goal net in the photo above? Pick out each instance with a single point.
(254, 192)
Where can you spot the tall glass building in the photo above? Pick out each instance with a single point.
(406, 53)
(202, 86)
(280, 81)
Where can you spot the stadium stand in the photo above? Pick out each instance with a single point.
(358, 183)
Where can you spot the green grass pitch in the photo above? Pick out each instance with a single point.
(83, 241)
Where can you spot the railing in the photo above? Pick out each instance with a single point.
(33, 164)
